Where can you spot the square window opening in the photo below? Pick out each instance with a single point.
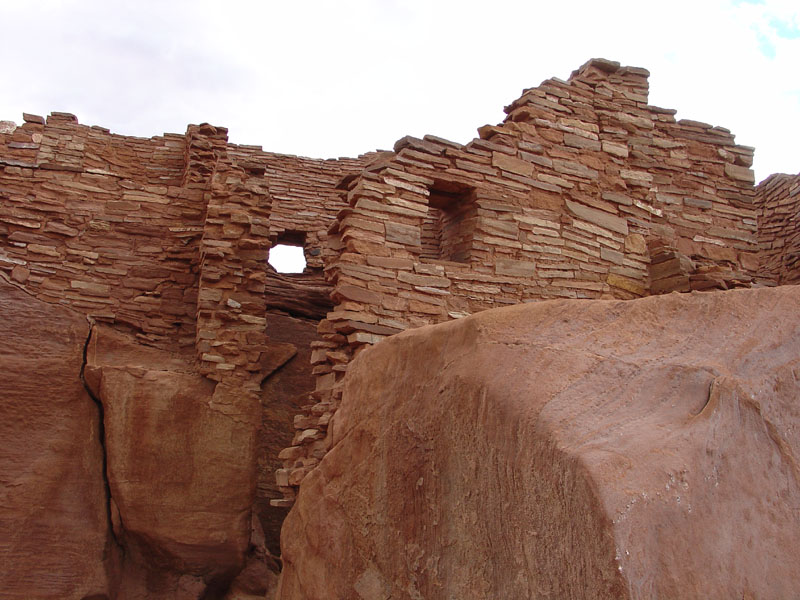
(287, 255)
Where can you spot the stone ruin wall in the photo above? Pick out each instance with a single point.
(779, 228)
(584, 191)
(168, 238)
(132, 230)
(100, 223)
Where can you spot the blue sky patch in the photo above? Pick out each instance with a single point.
(785, 29)
(765, 45)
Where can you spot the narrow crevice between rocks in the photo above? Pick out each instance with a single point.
(101, 435)
(298, 313)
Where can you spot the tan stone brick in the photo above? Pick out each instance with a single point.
(89, 287)
(515, 268)
(598, 217)
(512, 164)
(624, 283)
(740, 173)
(635, 243)
(614, 149)
(403, 234)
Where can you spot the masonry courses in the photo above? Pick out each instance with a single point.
(583, 191)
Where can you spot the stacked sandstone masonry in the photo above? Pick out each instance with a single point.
(166, 237)
(121, 228)
(584, 191)
(304, 204)
(779, 228)
(102, 224)
(231, 326)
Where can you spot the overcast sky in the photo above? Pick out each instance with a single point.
(340, 78)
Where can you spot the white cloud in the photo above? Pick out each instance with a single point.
(330, 79)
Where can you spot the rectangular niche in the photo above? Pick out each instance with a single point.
(449, 228)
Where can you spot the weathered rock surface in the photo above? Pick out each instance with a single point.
(144, 484)
(181, 463)
(564, 449)
(55, 539)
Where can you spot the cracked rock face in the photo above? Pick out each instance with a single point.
(53, 507)
(564, 449)
(124, 473)
(181, 462)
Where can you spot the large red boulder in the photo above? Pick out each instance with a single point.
(181, 467)
(564, 449)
